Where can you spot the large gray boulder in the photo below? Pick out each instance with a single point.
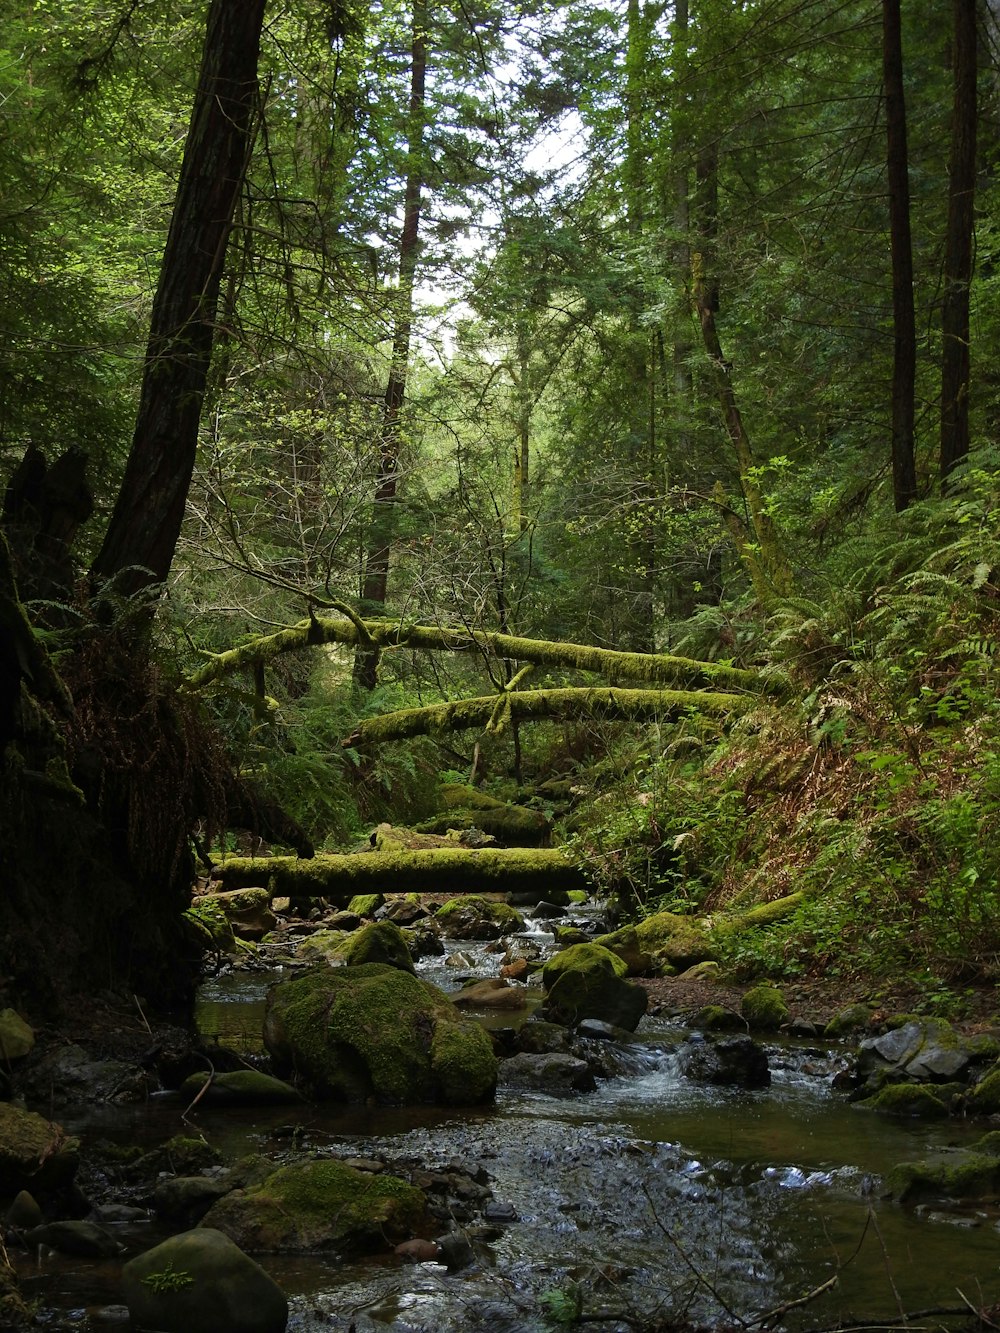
(201, 1282)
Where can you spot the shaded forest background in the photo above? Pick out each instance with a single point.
(657, 327)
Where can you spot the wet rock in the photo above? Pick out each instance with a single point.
(455, 1250)
(918, 1051)
(375, 1031)
(519, 970)
(402, 912)
(186, 1199)
(587, 981)
(473, 917)
(23, 1213)
(242, 1087)
(962, 1175)
(322, 1205)
(418, 1251)
(599, 1031)
(461, 961)
(546, 911)
(346, 921)
(89, 1240)
(423, 941)
(733, 1061)
(68, 1075)
(491, 993)
(113, 1214)
(496, 1211)
(717, 1018)
(35, 1154)
(912, 1100)
(200, 1282)
(554, 1073)
(379, 942)
(537, 1037)
(110, 1316)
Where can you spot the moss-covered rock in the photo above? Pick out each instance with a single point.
(247, 910)
(578, 896)
(35, 1153)
(988, 1145)
(322, 1205)
(566, 935)
(209, 927)
(709, 970)
(625, 943)
(855, 1018)
(200, 1282)
(588, 981)
(325, 946)
(473, 917)
(378, 942)
(912, 1100)
(680, 941)
(240, 1087)
(366, 904)
(16, 1037)
(371, 1031)
(967, 1175)
(716, 1018)
(464, 807)
(984, 1098)
(764, 1008)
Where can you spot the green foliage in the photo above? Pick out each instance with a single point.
(562, 1306)
(168, 1279)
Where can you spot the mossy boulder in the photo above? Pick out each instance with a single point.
(566, 935)
(716, 1018)
(855, 1018)
(16, 1037)
(925, 1050)
(378, 942)
(966, 1175)
(464, 807)
(913, 1100)
(588, 981)
(322, 1205)
(324, 946)
(366, 904)
(241, 1087)
(984, 1097)
(209, 927)
(764, 1008)
(373, 1031)
(35, 1153)
(248, 910)
(473, 917)
(201, 1282)
(675, 940)
(625, 943)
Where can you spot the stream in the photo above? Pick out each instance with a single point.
(658, 1198)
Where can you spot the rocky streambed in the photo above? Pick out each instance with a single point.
(654, 1196)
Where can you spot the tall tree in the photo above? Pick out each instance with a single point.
(904, 475)
(141, 538)
(955, 358)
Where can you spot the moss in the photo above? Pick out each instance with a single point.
(678, 940)
(764, 1008)
(984, 1098)
(34, 1152)
(505, 916)
(210, 927)
(988, 1145)
(511, 824)
(567, 935)
(716, 1018)
(582, 958)
(321, 1205)
(855, 1018)
(983, 1047)
(907, 1099)
(361, 1031)
(366, 904)
(625, 944)
(324, 944)
(764, 914)
(464, 1063)
(240, 1087)
(968, 1175)
(379, 942)
(578, 896)
(438, 870)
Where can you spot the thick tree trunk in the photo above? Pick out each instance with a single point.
(139, 543)
(904, 365)
(376, 577)
(958, 243)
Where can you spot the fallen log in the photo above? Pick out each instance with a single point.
(493, 712)
(437, 870)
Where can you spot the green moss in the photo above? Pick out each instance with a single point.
(379, 942)
(678, 940)
(984, 1098)
(625, 944)
(855, 1018)
(968, 1175)
(210, 926)
(324, 944)
(988, 1145)
(322, 1205)
(240, 1087)
(509, 918)
(366, 904)
(764, 1008)
(464, 1063)
(567, 935)
(914, 1100)
(363, 1031)
(578, 896)
(716, 1018)
(582, 958)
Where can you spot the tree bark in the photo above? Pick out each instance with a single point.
(140, 540)
(904, 364)
(376, 576)
(958, 242)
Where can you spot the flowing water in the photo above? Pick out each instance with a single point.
(657, 1197)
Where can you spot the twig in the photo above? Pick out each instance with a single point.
(980, 1315)
(680, 1250)
(763, 1320)
(145, 1021)
(201, 1091)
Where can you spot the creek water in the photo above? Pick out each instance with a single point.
(657, 1197)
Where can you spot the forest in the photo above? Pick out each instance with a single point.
(658, 329)
(554, 437)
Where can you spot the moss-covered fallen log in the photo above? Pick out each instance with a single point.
(438, 870)
(604, 703)
(639, 668)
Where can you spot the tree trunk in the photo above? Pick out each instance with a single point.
(139, 543)
(904, 365)
(958, 243)
(376, 574)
